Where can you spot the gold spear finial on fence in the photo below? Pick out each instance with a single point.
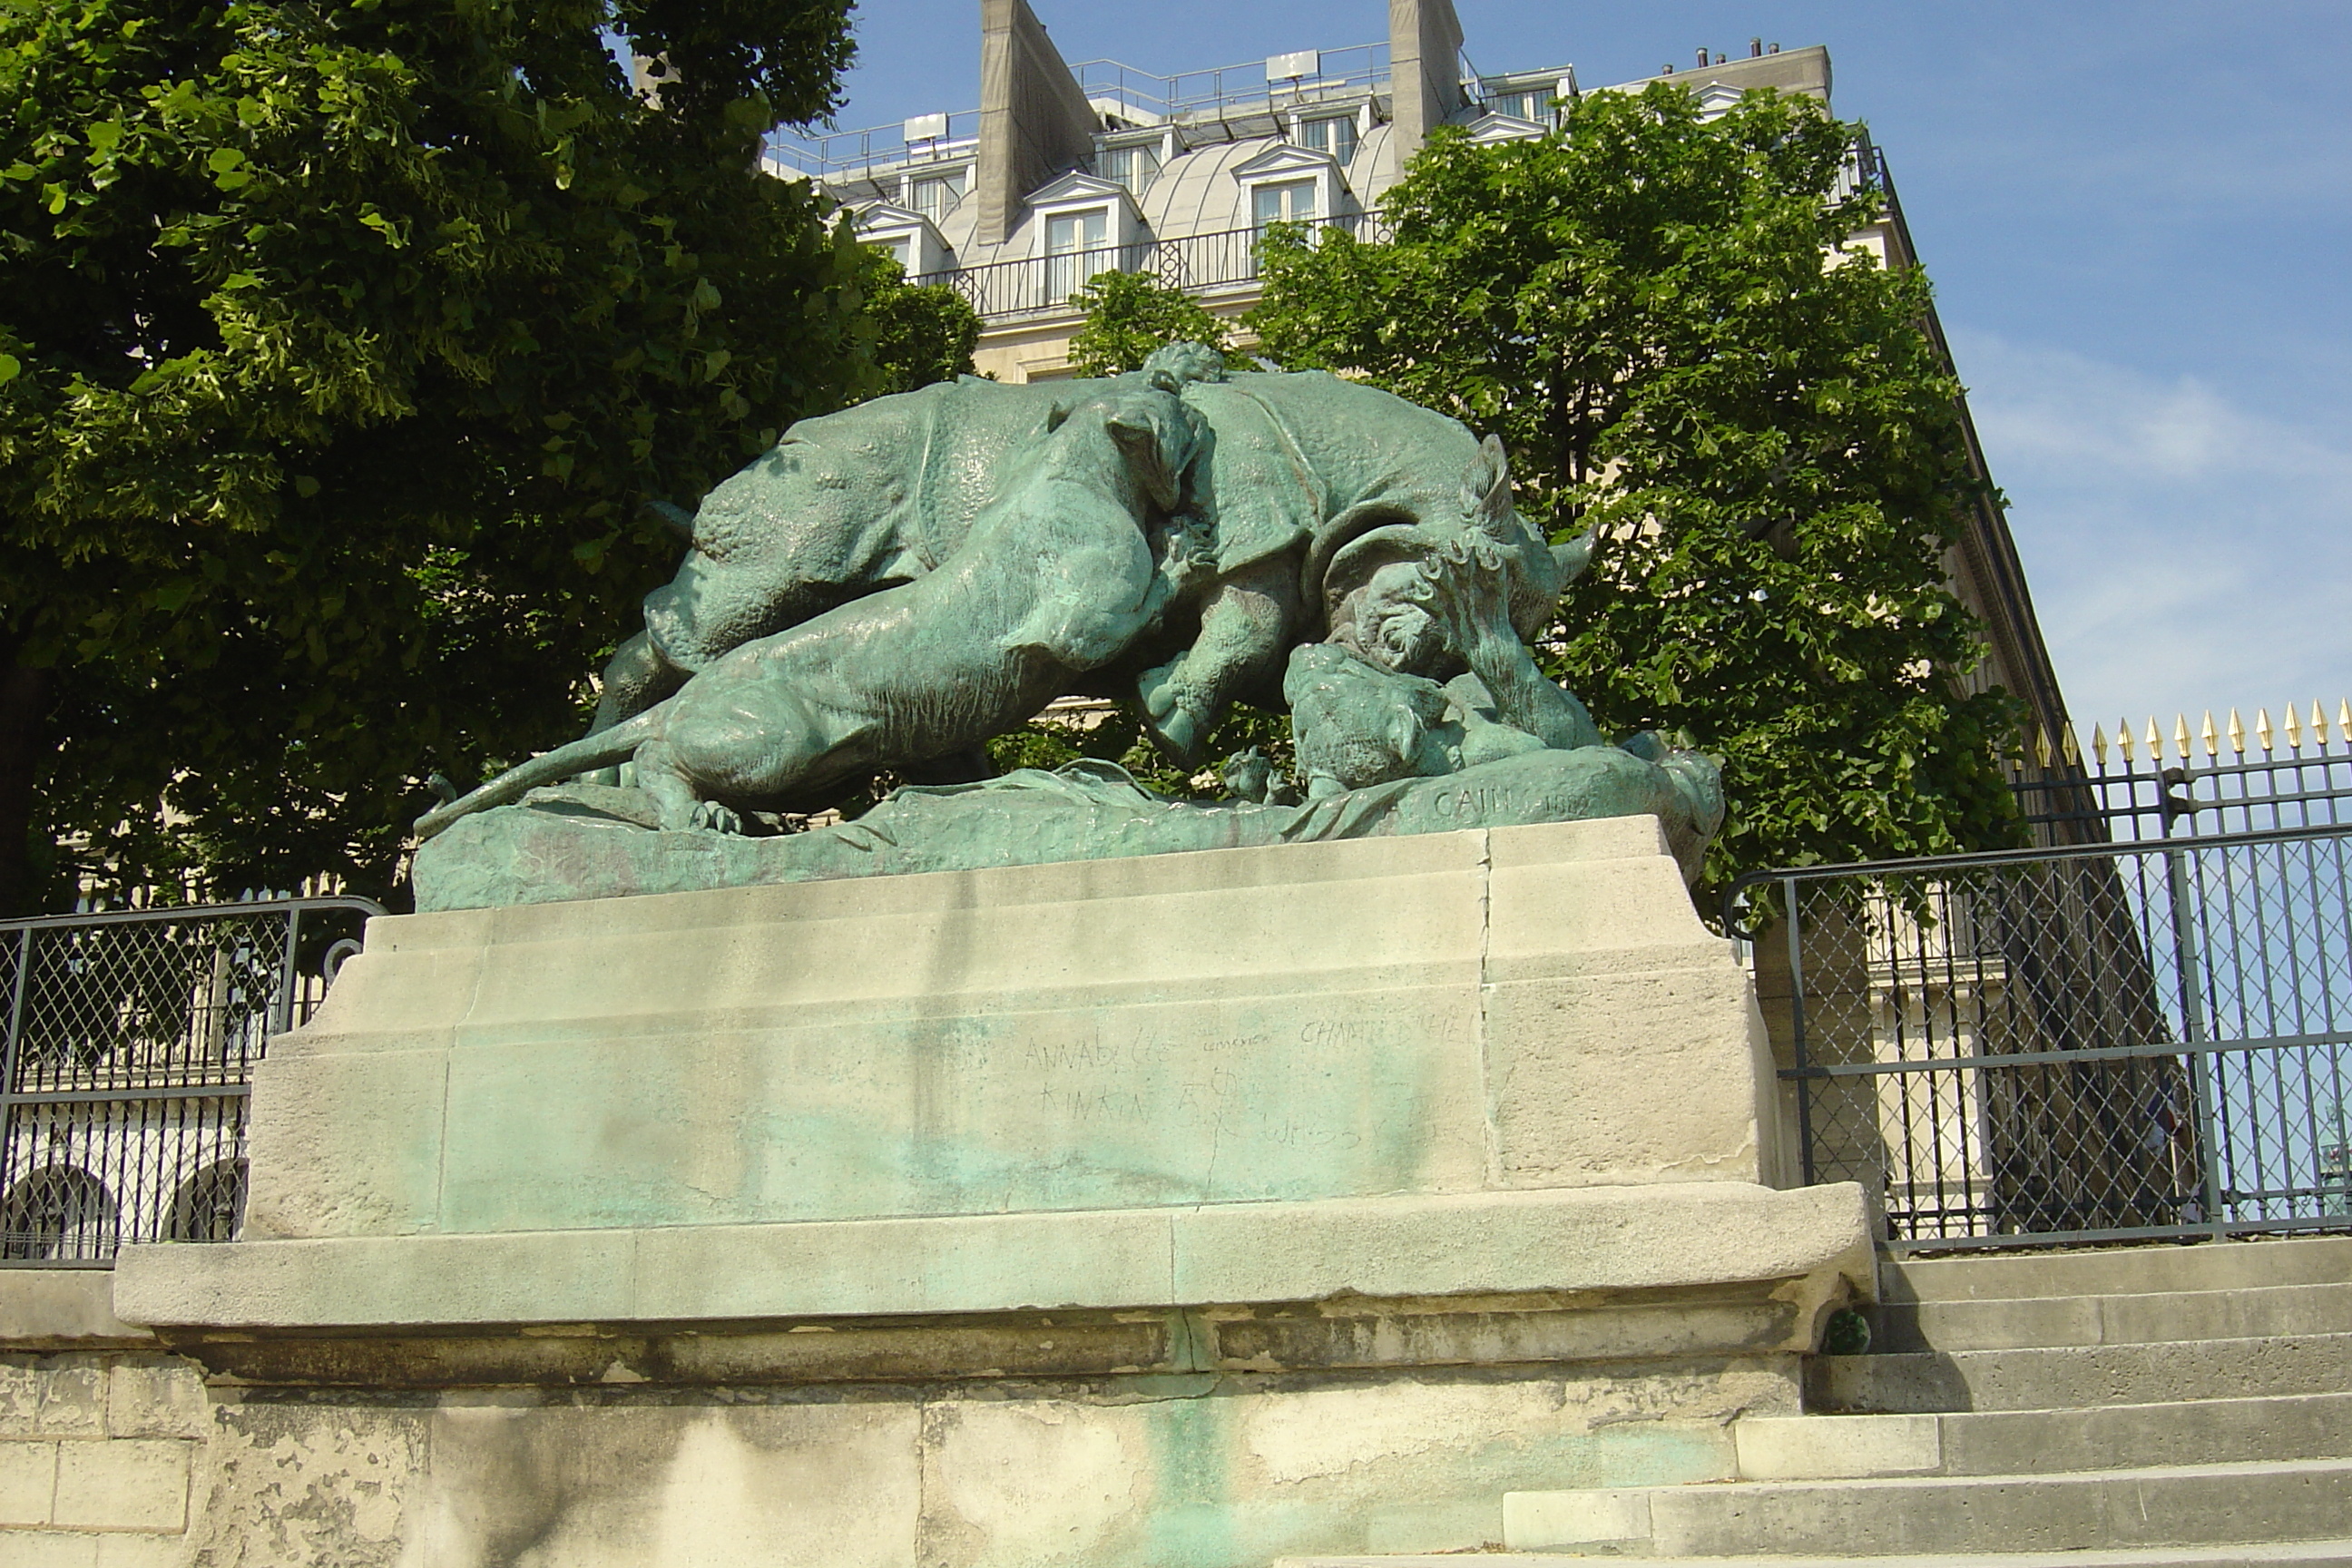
(2237, 733)
(2124, 740)
(2293, 728)
(2155, 743)
(2318, 724)
(2344, 720)
(2069, 751)
(2041, 748)
(2180, 735)
(2210, 736)
(2099, 746)
(2262, 729)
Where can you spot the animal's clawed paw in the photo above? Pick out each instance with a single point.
(1157, 689)
(1170, 718)
(714, 817)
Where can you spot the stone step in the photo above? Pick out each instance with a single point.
(2073, 1377)
(2135, 1318)
(2039, 1442)
(2280, 1554)
(2114, 1270)
(2179, 1505)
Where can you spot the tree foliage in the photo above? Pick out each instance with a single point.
(1117, 735)
(342, 348)
(1129, 315)
(1664, 319)
(922, 332)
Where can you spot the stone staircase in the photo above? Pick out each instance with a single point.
(2143, 1407)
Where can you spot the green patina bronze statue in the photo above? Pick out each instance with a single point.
(900, 581)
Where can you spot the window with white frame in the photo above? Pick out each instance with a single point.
(1077, 246)
(1335, 134)
(902, 249)
(936, 196)
(1134, 167)
(1285, 201)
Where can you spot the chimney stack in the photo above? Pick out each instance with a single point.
(1424, 71)
(1034, 121)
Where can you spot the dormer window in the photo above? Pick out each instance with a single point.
(1077, 246)
(1289, 183)
(1083, 224)
(912, 239)
(1717, 99)
(1534, 101)
(1133, 167)
(1335, 134)
(936, 196)
(1290, 201)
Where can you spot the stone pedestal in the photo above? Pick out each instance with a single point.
(1188, 1209)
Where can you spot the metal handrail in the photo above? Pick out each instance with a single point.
(186, 912)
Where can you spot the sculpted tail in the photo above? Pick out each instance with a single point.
(601, 750)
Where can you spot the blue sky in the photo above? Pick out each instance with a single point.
(2138, 219)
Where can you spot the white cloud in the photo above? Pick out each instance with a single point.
(2184, 552)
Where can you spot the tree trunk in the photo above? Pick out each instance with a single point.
(24, 741)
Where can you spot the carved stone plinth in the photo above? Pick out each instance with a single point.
(1191, 1208)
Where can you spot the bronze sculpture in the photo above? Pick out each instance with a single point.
(913, 576)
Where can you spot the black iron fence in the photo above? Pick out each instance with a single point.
(2204, 776)
(2075, 1044)
(130, 1040)
(1194, 262)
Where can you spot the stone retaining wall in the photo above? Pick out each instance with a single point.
(98, 1446)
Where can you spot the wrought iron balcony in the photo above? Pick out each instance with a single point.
(1196, 263)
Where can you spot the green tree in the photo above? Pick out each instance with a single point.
(342, 348)
(1665, 320)
(922, 332)
(1129, 315)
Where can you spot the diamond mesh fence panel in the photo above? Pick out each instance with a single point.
(130, 1043)
(2129, 1039)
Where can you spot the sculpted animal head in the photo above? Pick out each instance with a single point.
(1172, 365)
(1157, 433)
(1476, 521)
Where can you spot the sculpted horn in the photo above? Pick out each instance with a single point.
(680, 520)
(1486, 489)
(1573, 555)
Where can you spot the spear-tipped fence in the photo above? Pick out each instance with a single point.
(2143, 1028)
(2150, 780)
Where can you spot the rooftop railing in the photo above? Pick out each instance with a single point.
(1138, 96)
(1311, 74)
(838, 154)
